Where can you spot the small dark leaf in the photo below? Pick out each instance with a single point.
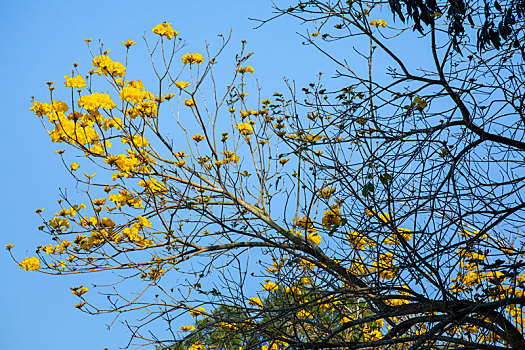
(367, 189)
(385, 178)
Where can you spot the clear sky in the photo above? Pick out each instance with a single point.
(40, 40)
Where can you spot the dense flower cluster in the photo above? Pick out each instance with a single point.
(30, 264)
(134, 92)
(76, 82)
(95, 100)
(192, 58)
(164, 29)
(244, 128)
(107, 66)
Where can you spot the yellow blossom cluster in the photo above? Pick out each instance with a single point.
(137, 141)
(191, 58)
(125, 164)
(378, 23)
(199, 311)
(95, 100)
(270, 286)
(384, 266)
(189, 328)
(332, 217)
(326, 192)
(146, 108)
(133, 235)
(59, 224)
(124, 198)
(182, 84)
(256, 301)
(276, 265)
(96, 222)
(198, 137)
(41, 108)
(197, 346)
(134, 92)
(78, 291)
(189, 102)
(152, 185)
(76, 82)
(314, 236)
(128, 43)
(245, 69)
(76, 128)
(244, 128)
(30, 264)
(107, 66)
(401, 232)
(371, 334)
(359, 241)
(165, 29)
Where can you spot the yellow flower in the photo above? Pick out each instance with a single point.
(190, 102)
(30, 264)
(198, 137)
(270, 286)
(384, 266)
(332, 217)
(283, 161)
(164, 29)
(79, 305)
(198, 311)
(76, 82)
(293, 290)
(9, 246)
(385, 217)
(192, 58)
(129, 43)
(245, 69)
(87, 40)
(189, 328)
(197, 346)
(314, 237)
(305, 314)
(358, 241)
(95, 100)
(74, 166)
(78, 291)
(244, 128)
(394, 239)
(256, 301)
(378, 23)
(182, 84)
(107, 66)
(326, 192)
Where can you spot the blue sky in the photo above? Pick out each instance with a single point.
(40, 41)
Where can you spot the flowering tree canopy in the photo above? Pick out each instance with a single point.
(382, 213)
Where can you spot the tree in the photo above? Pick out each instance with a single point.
(382, 213)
